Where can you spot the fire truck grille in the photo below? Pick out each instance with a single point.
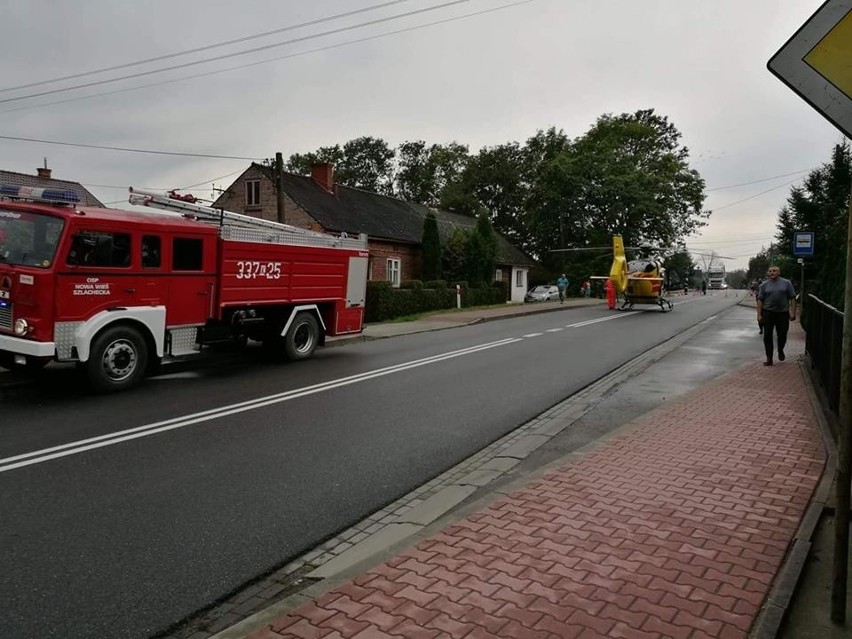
(6, 316)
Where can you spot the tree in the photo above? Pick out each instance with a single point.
(363, 163)
(453, 255)
(481, 251)
(738, 279)
(367, 164)
(493, 181)
(820, 205)
(300, 163)
(680, 267)
(431, 264)
(633, 178)
(424, 172)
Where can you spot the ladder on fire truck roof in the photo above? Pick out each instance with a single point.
(244, 228)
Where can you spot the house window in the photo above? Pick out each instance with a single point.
(498, 276)
(252, 192)
(519, 279)
(393, 271)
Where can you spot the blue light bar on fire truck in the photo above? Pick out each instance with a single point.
(55, 196)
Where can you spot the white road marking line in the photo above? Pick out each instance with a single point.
(554, 330)
(73, 448)
(531, 335)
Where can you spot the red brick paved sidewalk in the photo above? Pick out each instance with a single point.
(674, 528)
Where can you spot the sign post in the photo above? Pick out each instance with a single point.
(814, 63)
(803, 245)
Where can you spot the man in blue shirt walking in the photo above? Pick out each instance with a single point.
(776, 308)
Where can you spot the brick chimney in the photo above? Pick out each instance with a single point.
(44, 172)
(323, 174)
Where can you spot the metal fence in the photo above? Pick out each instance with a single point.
(824, 343)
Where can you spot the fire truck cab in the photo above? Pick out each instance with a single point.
(119, 291)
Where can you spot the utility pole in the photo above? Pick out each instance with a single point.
(844, 446)
(279, 187)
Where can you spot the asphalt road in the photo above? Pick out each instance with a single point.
(124, 514)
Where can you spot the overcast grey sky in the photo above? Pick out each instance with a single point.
(482, 80)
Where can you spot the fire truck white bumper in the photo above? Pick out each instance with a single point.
(26, 346)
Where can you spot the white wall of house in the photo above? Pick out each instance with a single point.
(520, 279)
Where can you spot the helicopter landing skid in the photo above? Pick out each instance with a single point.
(663, 303)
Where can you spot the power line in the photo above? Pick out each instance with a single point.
(236, 54)
(208, 47)
(158, 188)
(277, 59)
(751, 197)
(129, 150)
(774, 177)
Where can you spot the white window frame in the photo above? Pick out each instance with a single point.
(252, 192)
(519, 279)
(498, 275)
(394, 266)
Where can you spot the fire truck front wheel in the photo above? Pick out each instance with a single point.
(118, 359)
(302, 337)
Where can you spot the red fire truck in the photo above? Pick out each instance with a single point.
(120, 291)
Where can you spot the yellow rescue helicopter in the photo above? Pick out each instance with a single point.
(638, 281)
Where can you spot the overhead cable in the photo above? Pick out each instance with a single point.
(235, 54)
(277, 59)
(208, 47)
(130, 150)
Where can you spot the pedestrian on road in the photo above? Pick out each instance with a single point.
(704, 287)
(562, 285)
(776, 308)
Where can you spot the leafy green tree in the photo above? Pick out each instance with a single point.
(820, 205)
(738, 279)
(300, 163)
(423, 171)
(680, 267)
(634, 179)
(363, 163)
(431, 264)
(367, 164)
(481, 251)
(453, 255)
(493, 180)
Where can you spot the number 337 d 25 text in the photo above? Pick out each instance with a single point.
(249, 270)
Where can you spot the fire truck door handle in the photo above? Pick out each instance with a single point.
(203, 292)
(130, 290)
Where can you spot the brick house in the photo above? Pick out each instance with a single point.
(43, 180)
(394, 227)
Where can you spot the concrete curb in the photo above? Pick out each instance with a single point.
(774, 610)
(451, 504)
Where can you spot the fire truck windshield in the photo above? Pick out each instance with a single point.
(29, 239)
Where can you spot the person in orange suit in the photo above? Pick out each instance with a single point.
(610, 294)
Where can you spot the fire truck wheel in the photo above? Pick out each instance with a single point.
(302, 337)
(118, 359)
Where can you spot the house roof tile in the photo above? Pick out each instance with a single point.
(23, 179)
(380, 216)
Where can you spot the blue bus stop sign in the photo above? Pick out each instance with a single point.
(803, 243)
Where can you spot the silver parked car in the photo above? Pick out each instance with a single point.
(542, 293)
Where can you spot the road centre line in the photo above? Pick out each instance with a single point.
(554, 330)
(73, 448)
(601, 319)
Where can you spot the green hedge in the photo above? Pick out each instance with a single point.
(384, 302)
